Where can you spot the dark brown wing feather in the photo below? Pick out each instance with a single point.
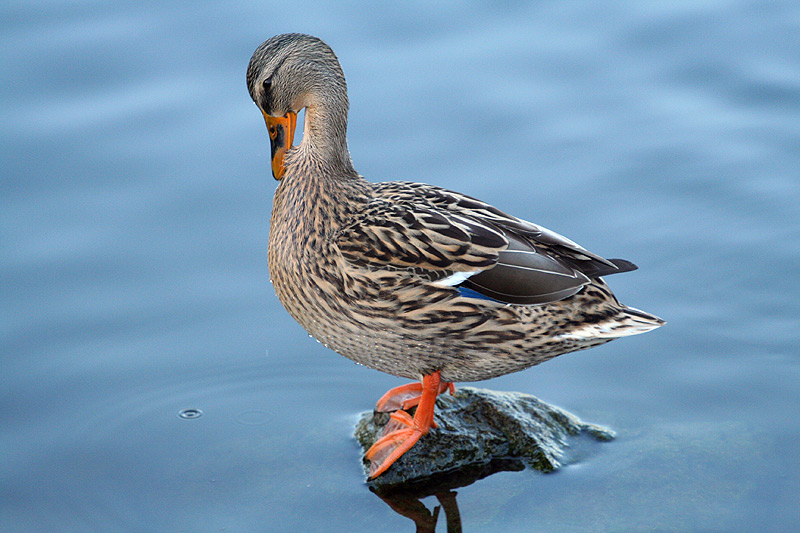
(411, 225)
(525, 275)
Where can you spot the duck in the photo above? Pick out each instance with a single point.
(411, 279)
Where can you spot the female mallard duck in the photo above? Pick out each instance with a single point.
(407, 278)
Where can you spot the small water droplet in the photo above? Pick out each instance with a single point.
(190, 414)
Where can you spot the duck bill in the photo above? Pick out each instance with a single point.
(281, 135)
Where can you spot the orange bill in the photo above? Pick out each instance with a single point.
(281, 135)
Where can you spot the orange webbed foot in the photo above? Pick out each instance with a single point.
(397, 420)
(402, 397)
(402, 431)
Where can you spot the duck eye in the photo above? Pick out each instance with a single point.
(267, 83)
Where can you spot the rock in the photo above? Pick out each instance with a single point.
(481, 432)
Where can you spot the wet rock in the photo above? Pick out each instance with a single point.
(479, 430)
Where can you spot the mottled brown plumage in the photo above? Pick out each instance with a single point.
(407, 278)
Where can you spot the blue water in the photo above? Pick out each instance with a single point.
(134, 218)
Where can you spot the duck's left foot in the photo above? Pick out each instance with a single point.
(391, 447)
(404, 431)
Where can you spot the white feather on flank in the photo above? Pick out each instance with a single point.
(620, 327)
(454, 279)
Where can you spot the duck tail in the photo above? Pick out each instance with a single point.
(629, 321)
(638, 321)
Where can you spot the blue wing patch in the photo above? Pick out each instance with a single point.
(469, 293)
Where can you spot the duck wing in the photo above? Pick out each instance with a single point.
(454, 239)
(396, 236)
(589, 263)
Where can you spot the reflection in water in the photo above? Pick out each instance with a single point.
(424, 519)
(406, 498)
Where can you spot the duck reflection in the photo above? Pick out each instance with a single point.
(406, 498)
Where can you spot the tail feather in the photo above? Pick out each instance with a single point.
(629, 321)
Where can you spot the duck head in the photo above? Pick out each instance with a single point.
(290, 72)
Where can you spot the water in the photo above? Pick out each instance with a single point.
(135, 202)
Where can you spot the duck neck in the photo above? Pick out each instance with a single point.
(325, 133)
(320, 183)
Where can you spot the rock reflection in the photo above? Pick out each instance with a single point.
(406, 498)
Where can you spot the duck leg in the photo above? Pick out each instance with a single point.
(394, 444)
(407, 396)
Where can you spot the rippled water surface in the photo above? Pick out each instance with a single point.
(135, 203)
